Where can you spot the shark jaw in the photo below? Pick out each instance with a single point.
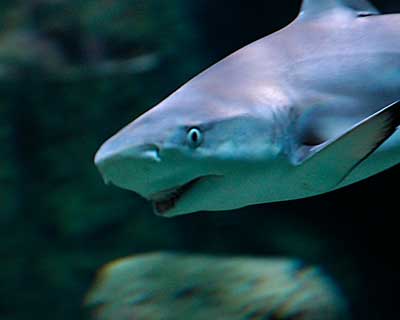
(165, 201)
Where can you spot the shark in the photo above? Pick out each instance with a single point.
(309, 109)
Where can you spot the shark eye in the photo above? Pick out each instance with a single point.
(194, 137)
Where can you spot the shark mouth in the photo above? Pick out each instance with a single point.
(165, 200)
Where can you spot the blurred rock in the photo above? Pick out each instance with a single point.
(23, 49)
(172, 286)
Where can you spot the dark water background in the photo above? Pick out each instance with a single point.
(66, 85)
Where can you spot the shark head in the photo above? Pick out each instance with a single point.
(195, 151)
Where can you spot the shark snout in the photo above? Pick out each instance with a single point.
(125, 164)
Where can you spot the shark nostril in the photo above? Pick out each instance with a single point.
(152, 152)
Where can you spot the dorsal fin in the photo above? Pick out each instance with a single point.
(317, 7)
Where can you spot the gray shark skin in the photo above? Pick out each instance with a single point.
(304, 111)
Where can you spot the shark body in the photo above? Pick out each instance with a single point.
(306, 110)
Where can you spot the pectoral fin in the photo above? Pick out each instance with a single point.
(329, 163)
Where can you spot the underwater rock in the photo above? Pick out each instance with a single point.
(25, 48)
(172, 286)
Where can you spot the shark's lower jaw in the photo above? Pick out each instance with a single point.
(166, 200)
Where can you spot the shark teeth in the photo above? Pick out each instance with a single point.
(165, 200)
